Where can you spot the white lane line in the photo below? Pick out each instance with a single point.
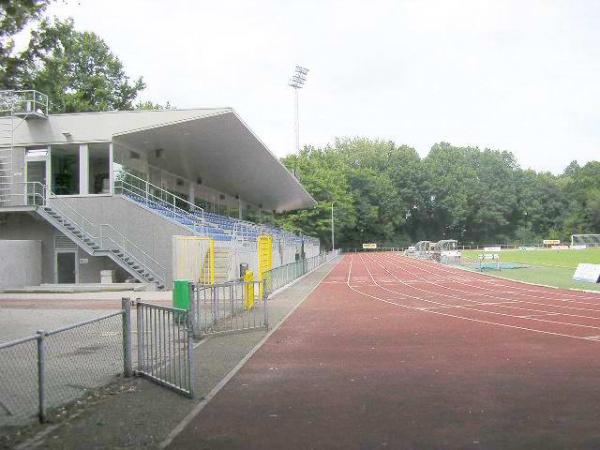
(486, 322)
(463, 293)
(461, 281)
(511, 284)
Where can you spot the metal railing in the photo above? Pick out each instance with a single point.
(40, 375)
(22, 194)
(150, 194)
(51, 369)
(164, 347)
(109, 234)
(181, 209)
(228, 307)
(105, 235)
(24, 102)
(283, 275)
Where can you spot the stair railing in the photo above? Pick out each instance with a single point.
(85, 225)
(177, 207)
(127, 183)
(109, 233)
(104, 233)
(26, 193)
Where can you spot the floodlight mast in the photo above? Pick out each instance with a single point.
(297, 82)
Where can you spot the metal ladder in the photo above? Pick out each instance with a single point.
(6, 147)
(15, 105)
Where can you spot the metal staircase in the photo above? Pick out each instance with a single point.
(95, 239)
(104, 240)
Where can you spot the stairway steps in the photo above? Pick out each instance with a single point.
(128, 261)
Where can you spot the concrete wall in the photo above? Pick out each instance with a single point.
(31, 226)
(148, 230)
(21, 264)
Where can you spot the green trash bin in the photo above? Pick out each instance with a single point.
(181, 294)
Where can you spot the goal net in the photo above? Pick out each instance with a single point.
(589, 240)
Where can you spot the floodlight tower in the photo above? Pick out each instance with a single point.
(297, 82)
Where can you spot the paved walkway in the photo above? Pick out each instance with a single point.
(141, 414)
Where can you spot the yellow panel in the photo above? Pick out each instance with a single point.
(265, 258)
(194, 259)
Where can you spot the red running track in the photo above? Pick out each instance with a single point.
(395, 353)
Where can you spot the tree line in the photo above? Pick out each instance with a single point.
(381, 192)
(76, 69)
(388, 194)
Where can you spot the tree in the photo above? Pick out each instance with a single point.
(77, 70)
(14, 16)
(151, 106)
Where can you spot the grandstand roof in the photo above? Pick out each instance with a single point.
(213, 144)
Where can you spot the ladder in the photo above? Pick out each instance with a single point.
(15, 107)
(7, 121)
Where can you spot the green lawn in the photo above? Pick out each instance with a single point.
(551, 267)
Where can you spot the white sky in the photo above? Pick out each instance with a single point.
(515, 75)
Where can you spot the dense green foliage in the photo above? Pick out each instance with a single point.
(76, 69)
(387, 194)
(14, 17)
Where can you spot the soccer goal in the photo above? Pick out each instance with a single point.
(587, 240)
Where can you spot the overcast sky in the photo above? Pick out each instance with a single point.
(515, 75)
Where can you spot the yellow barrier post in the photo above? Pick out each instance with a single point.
(249, 288)
(265, 259)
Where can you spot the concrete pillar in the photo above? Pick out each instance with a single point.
(84, 169)
(48, 172)
(192, 192)
(111, 169)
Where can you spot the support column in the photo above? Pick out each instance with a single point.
(48, 172)
(84, 169)
(192, 193)
(111, 169)
(239, 208)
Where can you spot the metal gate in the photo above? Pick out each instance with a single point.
(228, 307)
(165, 346)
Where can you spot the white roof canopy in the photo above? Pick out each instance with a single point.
(212, 144)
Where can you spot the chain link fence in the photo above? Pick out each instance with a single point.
(283, 275)
(42, 373)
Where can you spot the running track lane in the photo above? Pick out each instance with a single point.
(402, 354)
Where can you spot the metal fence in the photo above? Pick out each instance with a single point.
(229, 307)
(164, 346)
(283, 275)
(41, 373)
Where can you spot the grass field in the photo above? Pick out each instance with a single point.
(551, 267)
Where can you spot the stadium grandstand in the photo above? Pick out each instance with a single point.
(134, 195)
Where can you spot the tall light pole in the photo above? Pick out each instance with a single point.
(297, 82)
(332, 230)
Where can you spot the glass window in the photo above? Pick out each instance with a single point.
(65, 169)
(99, 168)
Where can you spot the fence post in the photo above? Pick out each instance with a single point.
(265, 304)
(194, 300)
(127, 366)
(190, 355)
(41, 350)
(140, 336)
